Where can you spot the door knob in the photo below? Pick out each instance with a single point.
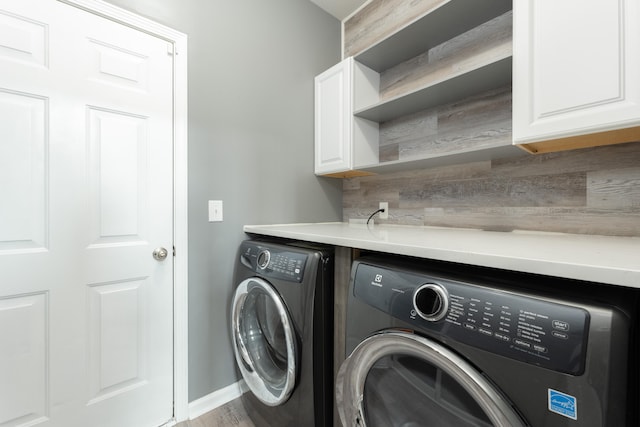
(160, 254)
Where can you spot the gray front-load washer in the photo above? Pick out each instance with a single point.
(282, 331)
(446, 345)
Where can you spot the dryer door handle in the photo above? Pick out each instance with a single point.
(239, 340)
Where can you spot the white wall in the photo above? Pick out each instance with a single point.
(251, 69)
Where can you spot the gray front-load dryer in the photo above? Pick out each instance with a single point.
(430, 344)
(282, 318)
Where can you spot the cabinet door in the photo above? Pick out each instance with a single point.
(576, 68)
(333, 113)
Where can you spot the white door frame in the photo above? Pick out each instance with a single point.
(180, 226)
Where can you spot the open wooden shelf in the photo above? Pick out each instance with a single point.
(461, 85)
(445, 21)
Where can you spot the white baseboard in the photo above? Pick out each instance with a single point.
(216, 399)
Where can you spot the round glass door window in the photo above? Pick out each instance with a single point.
(405, 391)
(264, 341)
(398, 379)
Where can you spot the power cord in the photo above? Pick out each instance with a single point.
(376, 212)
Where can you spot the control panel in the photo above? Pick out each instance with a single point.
(273, 262)
(522, 327)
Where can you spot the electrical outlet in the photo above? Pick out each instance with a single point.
(215, 210)
(385, 214)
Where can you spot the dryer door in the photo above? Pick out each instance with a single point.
(264, 341)
(398, 379)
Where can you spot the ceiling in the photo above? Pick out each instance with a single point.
(339, 8)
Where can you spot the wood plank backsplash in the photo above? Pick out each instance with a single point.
(588, 191)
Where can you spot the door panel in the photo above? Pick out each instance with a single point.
(119, 149)
(86, 170)
(22, 39)
(118, 66)
(23, 357)
(22, 171)
(117, 352)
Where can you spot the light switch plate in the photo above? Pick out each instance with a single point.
(215, 210)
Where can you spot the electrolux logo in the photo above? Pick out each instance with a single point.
(377, 280)
(563, 404)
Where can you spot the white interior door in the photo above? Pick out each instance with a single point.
(85, 197)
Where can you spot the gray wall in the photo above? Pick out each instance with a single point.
(251, 69)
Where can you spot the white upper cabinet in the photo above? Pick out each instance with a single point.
(344, 142)
(576, 73)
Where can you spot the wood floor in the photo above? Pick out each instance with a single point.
(230, 415)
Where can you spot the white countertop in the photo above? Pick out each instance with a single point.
(613, 260)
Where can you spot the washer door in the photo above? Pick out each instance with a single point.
(398, 379)
(264, 341)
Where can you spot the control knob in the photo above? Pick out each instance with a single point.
(263, 259)
(431, 302)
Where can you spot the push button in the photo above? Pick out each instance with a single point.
(561, 335)
(540, 348)
(522, 343)
(560, 325)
